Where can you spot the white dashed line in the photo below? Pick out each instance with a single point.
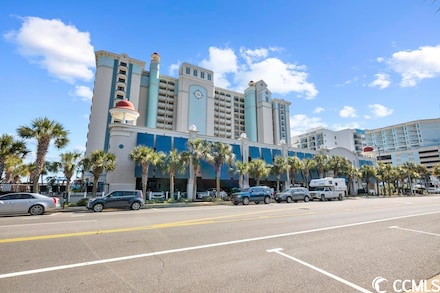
(348, 283)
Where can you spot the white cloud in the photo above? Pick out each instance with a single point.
(84, 92)
(80, 148)
(253, 55)
(414, 66)
(382, 81)
(318, 110)
(347, 112)
(173, 70)
(222, 62)
(282, 78)
(61, 49)
(349, 125)
(300, 124)
(380, 110)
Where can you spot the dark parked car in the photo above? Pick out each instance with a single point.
(132, 199)
(27, 203)
(293, 194)
(256, 194)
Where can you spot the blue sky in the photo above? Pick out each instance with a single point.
(341, 63)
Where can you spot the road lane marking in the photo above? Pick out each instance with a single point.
(203, 221)
(177, 250)
(348, 283)
(412, 230)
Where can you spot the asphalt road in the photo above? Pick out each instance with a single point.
(301, 247)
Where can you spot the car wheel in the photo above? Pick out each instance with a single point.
(267, 200)
(288, 199)
(98, 207)
(306, 199)
(245, 201)
(340, 197)
(322, 197)
(36, 210)
(135, 206)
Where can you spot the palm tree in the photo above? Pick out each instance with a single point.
(436, 170)
(20, 171)
(44, 131)
(173, 164)
(197, 150)
(388, 173)
(295, 164)
(68, 164)
(321, 164)
(98, 163)
(422, 173)
(368, 172)
(10, 148)
(220, 153)
(258, 169)
(352, 174)
(10, 166)
(337, 163)
(308, 164)
(409, 169)
(279, 166)
(145, 157)
(241, 169)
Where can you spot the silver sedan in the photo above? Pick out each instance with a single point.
(27, 203)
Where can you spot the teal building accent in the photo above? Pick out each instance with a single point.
(153, 91)
(250, 110)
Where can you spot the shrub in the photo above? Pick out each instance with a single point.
(82, 202)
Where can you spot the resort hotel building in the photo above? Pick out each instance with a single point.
(132, 106)
(414, 141)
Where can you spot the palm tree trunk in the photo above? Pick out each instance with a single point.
(278, 183)
(194, 191)
(95, 186)
(217, 179)
(172, 186)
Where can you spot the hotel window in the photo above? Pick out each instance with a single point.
(209, 76)
(187, 70)
(195, 72)
(202, 74)
(121, 88)
(124, 64)
(122, 72)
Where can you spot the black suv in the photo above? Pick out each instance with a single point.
(132, 199)
(256, 194)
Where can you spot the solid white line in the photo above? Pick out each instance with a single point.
(411, 230)
(348, 283)
(109, 260)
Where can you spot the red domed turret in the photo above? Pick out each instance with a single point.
(368, 149)
(124, 112)
(125, 104)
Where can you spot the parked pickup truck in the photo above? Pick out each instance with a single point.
(325, 193)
